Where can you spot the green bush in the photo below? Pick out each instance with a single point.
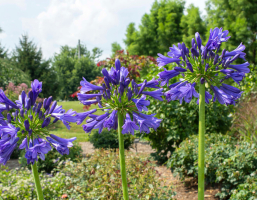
(53, 157)
(247, 190)
(97, 177)
(109, 139)
(227, 161)
(179, 121)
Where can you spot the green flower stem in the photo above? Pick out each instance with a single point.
(37, 182)
(122, 158)
(201, 142)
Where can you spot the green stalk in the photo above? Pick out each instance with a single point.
(201, 142)
(37, 182)
(122, 158)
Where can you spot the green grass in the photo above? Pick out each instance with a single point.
(60, 129)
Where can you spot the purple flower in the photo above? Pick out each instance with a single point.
(83, 97)
(151, 84)
(241, 68)
(141, 103)
(86, 86)
(46, 122)
(40, 148)
(146, 122)
(163, 60)
(129, 126)
(60, 144)
(157, 94)
(36, 89)
(204, 64)
(110, 122)
(166, 75)
(89, 126)
(6, 101)
(217, 36)
(6, 149)
(66, 117)
(222, 97)
(188, 91)
(82, 116)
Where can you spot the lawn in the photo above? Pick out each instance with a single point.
(60, 129)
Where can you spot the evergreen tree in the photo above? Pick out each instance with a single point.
(28, 57)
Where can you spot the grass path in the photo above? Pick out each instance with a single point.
(60, 129)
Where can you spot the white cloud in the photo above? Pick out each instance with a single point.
(3, 35)
(19, 3)
(96, 23)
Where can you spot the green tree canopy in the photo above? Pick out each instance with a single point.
(70, 69)
(158, 30)
(192, 23)
(239, 17)
(115, 47)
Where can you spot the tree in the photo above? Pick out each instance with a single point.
(28, 57)
(158, 30)
(239, 17)
(192, 23)
(115, 47)
(70, 69)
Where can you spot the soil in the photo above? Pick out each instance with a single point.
(186, 190)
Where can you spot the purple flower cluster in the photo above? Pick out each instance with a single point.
(204, 64)
(28, 122)
(119, 94)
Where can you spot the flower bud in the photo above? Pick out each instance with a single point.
(48, 102)
(9, 118)
(39, 107)
(46, 122)
(22, 113)
(216, 59)
(129, 94)
(40, 114)
(26, 124)
(107, 82)
(31, 117)
(23, 96)
(108, 93)
(53, 107)
(55, 120)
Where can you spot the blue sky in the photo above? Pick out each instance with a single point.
(53, 23)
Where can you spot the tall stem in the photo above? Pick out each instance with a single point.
(37, 182)
(122, 158)
(201, 142)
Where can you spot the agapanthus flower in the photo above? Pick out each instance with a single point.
(28, 123)
(205, 65)
(118, 94)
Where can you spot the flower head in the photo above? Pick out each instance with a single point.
(118, 95)
(28, 122)
(204, 65)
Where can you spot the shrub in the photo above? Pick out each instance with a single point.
(179, 121)
(228, 162)
(53, 157)
(247, 190)
(96, 177)
(109, 139)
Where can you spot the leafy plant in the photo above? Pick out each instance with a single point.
(247, 190)
(228, 161)
(109, 139)
(179, 121)
(96, 177)
(53, 158)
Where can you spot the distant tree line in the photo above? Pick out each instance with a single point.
(60, 74)
(167, 23)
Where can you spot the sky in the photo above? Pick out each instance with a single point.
(55, 23)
